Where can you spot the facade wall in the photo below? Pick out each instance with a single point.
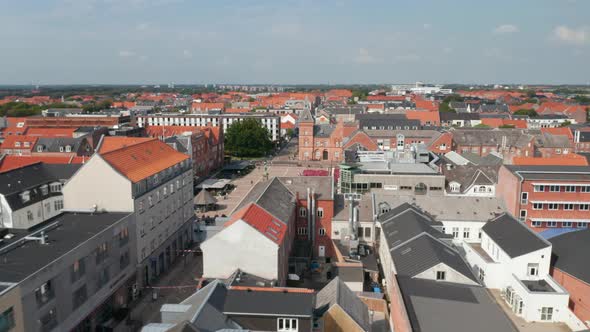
(258, 255)
(40, 211)
(70, 314)
(10, 299)
(110, 190)
(268, 323)
(450, 275)
(508, 188)
(337, 320)
(470, 228)
(395, 182)
(579, 291)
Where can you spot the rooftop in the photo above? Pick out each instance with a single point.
(570, 253)
(514, 237)
(64, 233)
(548, 172)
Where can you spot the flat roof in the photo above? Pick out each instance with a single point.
(21, 258)
(538, 172)
(213, 184)
(276, 303)
(447, 208)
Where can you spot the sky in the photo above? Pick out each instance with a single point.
(294, 42)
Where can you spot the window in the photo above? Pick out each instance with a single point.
(140, 206)
(455, 232)
(150, 201)
(466, 232)
(522, 216)
(55, 187)
(585, 189)
(302, 212)
(440, 275)
(482, 274)
(322, 231)
(302, 231)
(566, 224)
(568, 207)
(68, 148)
(532, 269)
(582, 225)
(29, 216)
(124, 260)
(536, 224)
(25, 196)
(165, 191)
(367, 232)
(359, 231)
(44, 189)
(547, 313)
(58, 205)
(7, 320)
(320, 212)
(552, 206)
(49, 320)
(171, 189)
(584, 207)
(537, 206)
(123, 236)
(77, 270)
(524, 199)
(570, 189)
(552, 224)
(44, 293)
(79, 296)
(554, 189)
(539, 188)
(103, 278)
(101, 252)
(287, 325)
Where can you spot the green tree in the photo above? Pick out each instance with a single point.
(247, 138)
(565, 124)
(19, 109)
(97, 106)
(524, 111)
(290, 132)
(481, 125)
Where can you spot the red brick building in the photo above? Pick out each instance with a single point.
(570, 268)
(507, 142)
(546, 196)
(322, 142)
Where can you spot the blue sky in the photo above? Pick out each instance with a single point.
(293, 42)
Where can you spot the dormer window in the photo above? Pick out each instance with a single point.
(68, 148)
(27, 144)
(25, 196)
(17, 144)
(455, 187)
(55, 187)
(44, 189)
(61, 149)
(40, 148)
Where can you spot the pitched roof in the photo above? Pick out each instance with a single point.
(262, 221)
(435, 306)
(10, 162)
(57, 144)
(570, 254)
(115, 142)
(425, 252)
(405, 222)
(336, 292)
(273, 196)
(306, 116)
(141, 158)
(18, 141)
(263, 302)
(570, 159)
(515, 238)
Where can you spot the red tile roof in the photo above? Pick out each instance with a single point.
(564, 131)
(139, 159)
(11, 161)
(11, 142)
(50, 132)
(262, 221)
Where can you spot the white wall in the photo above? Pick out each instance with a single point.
(474, 229)
(451, 275)
(97, 183)
(239, 246)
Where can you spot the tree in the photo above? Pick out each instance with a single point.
(247, 138)
(290, 132)
(565, 123)
(524, 111)
(507, 126)
(481, 125)
(19, 109)
(97, 107)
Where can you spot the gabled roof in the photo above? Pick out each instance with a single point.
(262, 221)
(570, 254)
(404, 223)
(514, 237)
(306, 117)
(336, 292)
(141, 158)
(58, 144)
(273, 196)
(425, 252)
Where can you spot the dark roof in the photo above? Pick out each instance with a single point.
(489, 160)
(179, 144)
(246, 302)
(348, 109)
(470, 175)
(425, 252)
(323, 130)
(31, 177)
(305, 116)
(570, 253)
(449, 116)
(514, 237)
(336, 292)
(273, 196)
(584, 136)
(540, 172)
(53, 144)
(435, 306)
(73, 229)
(405, 222)
(491, 137)
(386, 121)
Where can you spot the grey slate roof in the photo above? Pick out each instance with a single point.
(488, 160)
(491, 137)
(405, 222)
(547, 140)
(425, 252)
(386, 122)
(570, 253)
(244, 302)
(179, 143)
(323, 130)
(305, 116)
(469, 175)
(53, 144)
(435, 306)
(336, 292)
(273, 196)
(515, 238)
(449, 116)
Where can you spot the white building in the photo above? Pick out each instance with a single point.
(149, 178)
(515, 260)
(272, 122)
(31, 194)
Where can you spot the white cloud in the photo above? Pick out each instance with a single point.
(187, 54)
(126, 53)
(576, 36)
(364, 56)
(427, 26)
(506, 28)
